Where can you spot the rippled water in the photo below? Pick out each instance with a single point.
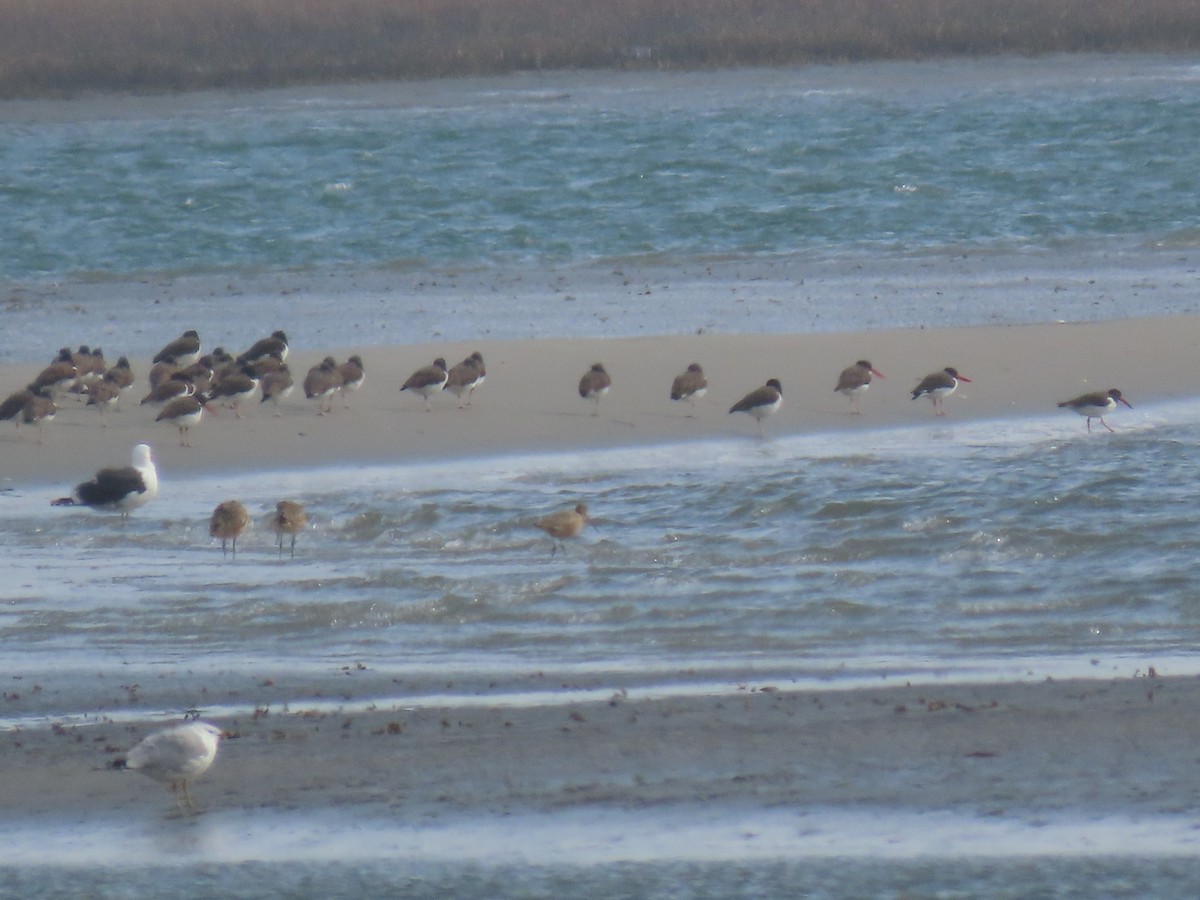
(584, 166)
(908, 553)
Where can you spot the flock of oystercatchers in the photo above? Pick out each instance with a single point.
(184, 383)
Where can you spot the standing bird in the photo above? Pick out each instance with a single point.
(58, 375)
(275, 345)
(566, 523)
(353, 375)
(277, 386)
(854, 381)
(13, 404)
(185, 413)
(1096, 405)
(237, 386)
(178, 385)
(322, 383)
(428, 380)
(183, 351)
(118, 490)
(465, 377)
(690, 385)
(120, 374)
(761, 402)
(104, 395)
(594, 384)
(228, 521)
(177, 755)
(39, 409)
(289, 518)
(938, 387)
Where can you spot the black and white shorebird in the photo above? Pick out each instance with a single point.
(236, 387)
(690, 385)
(185, 413)
(119, 490)
(938, 386)
(854, 381)
(594, 384)
(465, 377)
(227, 522)
(428, 380)
(275, 345)
(178, 385)
(761, 402)
(183, 351)
(322, 383)
(1096, 405)
(177, 756)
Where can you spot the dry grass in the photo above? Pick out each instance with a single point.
(56, 47)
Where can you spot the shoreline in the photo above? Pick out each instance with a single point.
(529, 403)
(978, 749)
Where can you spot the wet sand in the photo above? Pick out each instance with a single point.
(530, 403)
(1078, 746)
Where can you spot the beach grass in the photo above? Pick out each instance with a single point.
(66, 47)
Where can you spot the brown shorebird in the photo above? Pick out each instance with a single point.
(354, 374)
(120, 374)
(428, 380)
(566, 523)
(104, 395)
(183, 351)
(118, 490)
(228, 521)
(289, 518)
(690, 385)
(277, 386)
(465, 377)
(761, 402)
(13, 404)
(58, 375)
(594, 384)
(1096, 405)
(39, 409)
(938, 387)
(322, 383)
(854, 381)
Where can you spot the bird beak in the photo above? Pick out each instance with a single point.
(1127, 403)
(964, 378)
(877, 373)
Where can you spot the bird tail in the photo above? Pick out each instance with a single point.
(64, 501)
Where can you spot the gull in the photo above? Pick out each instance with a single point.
(177, 755)
(119, 490)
